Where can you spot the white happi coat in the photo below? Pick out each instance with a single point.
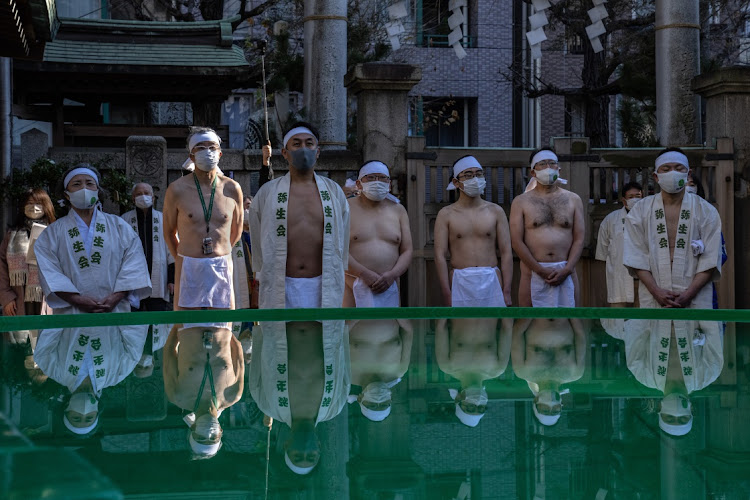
(646, 247)
(114, 352)
(268, 239)
(699, 344)
(269, 374)
(161, 258)
(609, 248)
(115, 262)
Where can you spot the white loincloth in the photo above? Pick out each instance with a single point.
(304, 293)
(545, 295)
(364, 297)
(476, 287)
(206, 282)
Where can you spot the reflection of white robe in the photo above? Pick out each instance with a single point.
(644, 247)
(609, 247)
(647, 343)
(239, 277)
(269, 374)
(160, 258)
(114, 351)
(110, 261)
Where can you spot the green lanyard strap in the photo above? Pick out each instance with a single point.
(206, 213)
(208, 373)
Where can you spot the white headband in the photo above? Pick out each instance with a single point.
(295, 131)
(203, 137)
(545, 154)
(77, 171)
(672, 157)
(81, 431)
(373, 167)
(460, 166)
(296, 469)
(203, 449)
(675, 429)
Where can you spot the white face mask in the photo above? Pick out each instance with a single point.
(207, 160)
(376, 392)
(83, 199)
(376, 190)
(83, 403)
(692, 189)
(474, 187)
(630, 203)
(144, 201)
(33, 211)
(475, 396)
(548, 176)
(207, 426)
(672, 181)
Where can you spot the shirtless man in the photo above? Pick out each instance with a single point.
(380, 246)
(205, 209)
(546, 228)
(475, 234)
(548, 353)
(472, 351)
(204, 372)
(299, 228)
(380, 351)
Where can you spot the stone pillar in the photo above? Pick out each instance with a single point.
(146, 161)
(34, 144)
(677, 62)
(382, 102)
(325, 66)
(727, 93)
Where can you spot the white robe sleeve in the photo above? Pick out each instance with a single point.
(129, 343)
(710, 233)
(636, 248)
(133, 273)
(602, 242)
(51, 273)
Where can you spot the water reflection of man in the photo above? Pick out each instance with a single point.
(472, 350)
(548, 353)
(86, 361)
(204, 372)
(380, 351)
(300, 376)
(674, 357)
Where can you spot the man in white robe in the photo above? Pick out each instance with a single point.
(673, 241)
(90, 261)
(674, 357)
(472, 351)
(299, 230)
(86, 361)
(548, 353)
(380, 351)
(147, 222)
(609, 248)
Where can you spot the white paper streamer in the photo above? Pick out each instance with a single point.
(597, 29)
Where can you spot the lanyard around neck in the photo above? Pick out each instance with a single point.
(206, 213)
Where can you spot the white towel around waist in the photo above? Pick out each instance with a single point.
(545, 295)
(206, 282)
(364, 296)
(303, 293)
(476, 287)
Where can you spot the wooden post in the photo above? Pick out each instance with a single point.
(415, 201)
(724, 185)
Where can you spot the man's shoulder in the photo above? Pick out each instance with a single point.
(268, 187)
(706, 207)
(447, 210)
(613, 216)
(570, 195)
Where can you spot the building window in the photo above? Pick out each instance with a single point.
(573, 43)
(445, 121)
(575, 116)
(432, 24)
